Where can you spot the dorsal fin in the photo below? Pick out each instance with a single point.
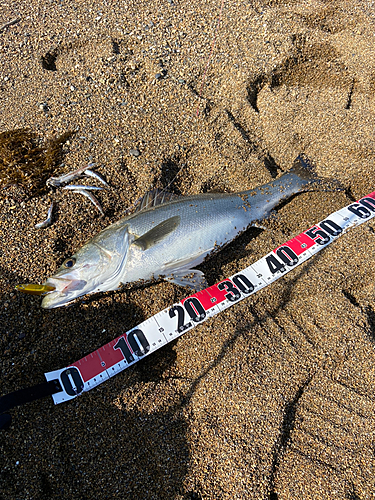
(153, 198)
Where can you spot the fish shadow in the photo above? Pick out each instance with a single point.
(235, 250)
(171, 168)
(86, 326)
(155, 367)
(89, 324)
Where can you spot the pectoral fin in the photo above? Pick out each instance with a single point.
(191, 278)
(157, 233)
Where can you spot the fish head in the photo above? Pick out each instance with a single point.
(96, 267)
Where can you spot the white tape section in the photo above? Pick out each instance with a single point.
(172, 322)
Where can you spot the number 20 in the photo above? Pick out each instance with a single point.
(195, 310)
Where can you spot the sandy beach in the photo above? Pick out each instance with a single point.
(274, 398)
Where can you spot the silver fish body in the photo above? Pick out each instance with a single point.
(48, 221)
(168, 240)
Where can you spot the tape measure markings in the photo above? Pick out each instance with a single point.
(174, 321)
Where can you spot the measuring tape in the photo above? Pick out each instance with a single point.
(172, 322)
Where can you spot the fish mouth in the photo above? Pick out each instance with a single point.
(65, 291)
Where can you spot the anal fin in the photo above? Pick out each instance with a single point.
(191, 278)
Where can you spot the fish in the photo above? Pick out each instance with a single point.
(75, 174)
(90, 196)
(48, 221)
(95, 175)
(78, 187)
(168, 236)
(64, 179)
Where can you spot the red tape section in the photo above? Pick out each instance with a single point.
(172, 322)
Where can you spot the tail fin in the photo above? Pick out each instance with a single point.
(306, 172)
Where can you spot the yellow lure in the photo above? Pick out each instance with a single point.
(35, 289)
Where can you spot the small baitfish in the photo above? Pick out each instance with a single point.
(168, 236)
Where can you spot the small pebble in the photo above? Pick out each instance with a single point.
(44, 107)
(161, 75)
(134, 152)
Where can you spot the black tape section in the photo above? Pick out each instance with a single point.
(23, 396)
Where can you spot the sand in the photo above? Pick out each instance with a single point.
(272, 399)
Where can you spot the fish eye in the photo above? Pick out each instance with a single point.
(69, 262)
